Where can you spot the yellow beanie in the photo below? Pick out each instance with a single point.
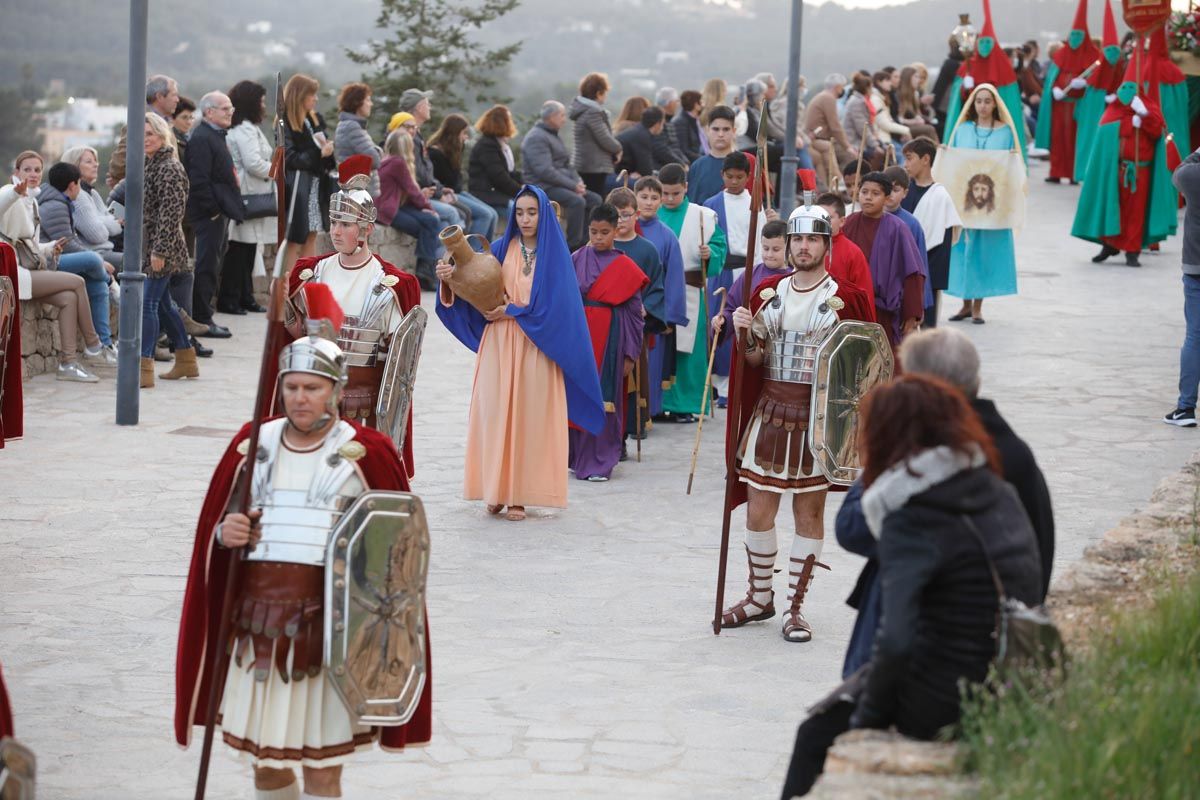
(398, 119)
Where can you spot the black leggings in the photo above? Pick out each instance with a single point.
(813, 740)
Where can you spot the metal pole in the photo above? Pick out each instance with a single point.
(129, 343)
(787, 168)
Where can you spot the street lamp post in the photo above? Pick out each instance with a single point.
(130, 338)
(787, 169)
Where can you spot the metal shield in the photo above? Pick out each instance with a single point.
(18, 769)
(854, 358)
(375, 568)
(400, 376)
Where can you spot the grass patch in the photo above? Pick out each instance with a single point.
(1125, 724)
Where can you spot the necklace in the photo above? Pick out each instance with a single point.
(980, 141)
(528, 257)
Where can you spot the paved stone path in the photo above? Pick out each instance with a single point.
(572, 653)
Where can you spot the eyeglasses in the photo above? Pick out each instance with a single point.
(626, 215)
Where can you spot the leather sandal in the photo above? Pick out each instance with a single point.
(496, 509)
(795, 626)
(515, 513)
(747, 610)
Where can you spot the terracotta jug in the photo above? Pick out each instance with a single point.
(476, 277)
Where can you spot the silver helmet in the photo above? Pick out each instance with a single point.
(353, 203)
(808, 218)
(316, 355)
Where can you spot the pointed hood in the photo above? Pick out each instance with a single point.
(994, 68)
(1110, 27)
(1073, 61)
(1161, 68)
(1148, 87)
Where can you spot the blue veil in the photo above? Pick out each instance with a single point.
(553, 320)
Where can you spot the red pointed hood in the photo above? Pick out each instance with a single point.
(1160, 66)
(1080, 23)
(996, 69)
(1073, 62)
(1110, 26)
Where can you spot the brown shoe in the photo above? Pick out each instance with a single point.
(147, 373)
(191, 326)
(800, 574)
(184, 367)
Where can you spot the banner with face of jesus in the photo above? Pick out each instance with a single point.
(987, 186)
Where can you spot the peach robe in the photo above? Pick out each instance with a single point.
(517, 427)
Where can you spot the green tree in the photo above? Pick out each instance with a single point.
(428, 44)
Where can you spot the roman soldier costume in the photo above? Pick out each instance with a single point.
(774, 452)
(385, 324)
(333, 590)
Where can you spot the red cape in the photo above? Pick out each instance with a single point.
(849, 265)
(857, 308)
(196, 656)
(621, 280)
(12, 423)
(6, 723)
(408, 295)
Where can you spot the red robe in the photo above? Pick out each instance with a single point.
(408, 295)
(1071, 64)
(1134, 195)
(196, 656)
(12, 424)
(857, 307)
(849, 265)
(6, 723)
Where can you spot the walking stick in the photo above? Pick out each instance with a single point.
(734, 415)
(275, 336)
(712, 355)
(862, 151)
(637, 400)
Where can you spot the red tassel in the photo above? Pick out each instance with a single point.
(808, 179)
(320, 302)
(354, 165)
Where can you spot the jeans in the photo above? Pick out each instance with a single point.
(90, 266)
(156, 298)
(483, 216)
(447, 213)
(1189, 356)
(424, 226)
(575, 208)
(210, 242)
(803, 159)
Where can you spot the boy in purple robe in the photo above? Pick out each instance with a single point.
(661, 359)
(896, 264)
(611, 284)
(895, 205)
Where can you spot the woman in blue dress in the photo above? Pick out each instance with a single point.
(982, 262)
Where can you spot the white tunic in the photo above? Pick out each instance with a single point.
(354, 289)
(690, 239)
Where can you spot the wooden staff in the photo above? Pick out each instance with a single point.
(712, 355)
(276, 335)
(637, 400)
(862, 151)
(734, 415)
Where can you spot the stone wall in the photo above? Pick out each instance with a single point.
(41, 342)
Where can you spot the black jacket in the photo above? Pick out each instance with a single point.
(210, 172)
(488, 177)
(1022, 471)
(687, 135)
(443, 172)
(939, 602)
(302, 157)
(637, 150)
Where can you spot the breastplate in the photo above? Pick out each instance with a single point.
(791, 356)
(363, 337)
(296, 523)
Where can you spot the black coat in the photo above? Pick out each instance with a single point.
(443, 171)
(303, 159)
(637, 150)
(1021, 470)
(488, 177)
(687, 135)
(939, 602)
(214, 189)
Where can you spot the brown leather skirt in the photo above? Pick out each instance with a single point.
(781, 443)
(279, 611)
(360, 394)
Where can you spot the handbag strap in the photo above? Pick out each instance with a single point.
(987, 557)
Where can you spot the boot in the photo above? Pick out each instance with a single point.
(1131, 260)
(185, 366)
(800, 575)
(147, 378)
(1105, 252)
(191, 326)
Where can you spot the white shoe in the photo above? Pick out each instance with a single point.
(74, 371)
(105, 356)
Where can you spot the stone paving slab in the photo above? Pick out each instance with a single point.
(572, 653)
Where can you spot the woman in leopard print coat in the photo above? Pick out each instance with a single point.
(164, 251)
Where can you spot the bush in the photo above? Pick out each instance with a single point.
(1125, 724)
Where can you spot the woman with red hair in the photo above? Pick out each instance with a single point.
(935, 501)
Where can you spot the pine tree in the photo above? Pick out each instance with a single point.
(428, 45)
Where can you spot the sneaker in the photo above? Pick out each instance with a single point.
(722, 402)
(1182, 417)
(104, 356)
(74, 371)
